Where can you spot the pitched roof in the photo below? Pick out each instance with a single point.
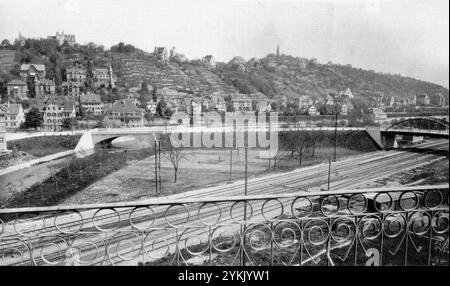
(11, 108)
(90, 98)
(17, 82)
(122, 106)
(39, 67)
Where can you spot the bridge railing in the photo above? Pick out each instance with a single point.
(385, 226)
(418, 130)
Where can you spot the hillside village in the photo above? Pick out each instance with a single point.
(55, 84)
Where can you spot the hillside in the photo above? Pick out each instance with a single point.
(289, 76)
(132, 71)
(7, 60)
(272, 75)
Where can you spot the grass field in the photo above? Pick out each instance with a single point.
(44, 145)
(201, 168)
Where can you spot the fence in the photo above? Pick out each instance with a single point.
(384, 226)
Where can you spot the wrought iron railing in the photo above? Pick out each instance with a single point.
(385, 226)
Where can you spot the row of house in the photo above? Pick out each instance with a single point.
(418, 100)
(76, 78)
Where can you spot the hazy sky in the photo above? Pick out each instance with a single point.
(410, 37)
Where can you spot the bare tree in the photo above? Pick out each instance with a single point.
(299, 142)
(277, 157)
(175, 153)
(314, 138)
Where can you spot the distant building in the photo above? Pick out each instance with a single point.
(437, 99)
(241, 102)
(422, 99)
(71, 88)
(161, 54)
(12, 115)
(76, 74)
(17, 89)
(196, 105)
(346, 108)
(312, 111)
(218, 103)
(45, 88)
(35, 71)
(3, 143)
(304, 102)
(151, 106)
(56, 110)
(263, 105)
(209, 60)
(91, 104)
(61, 38)
(21, 39)
(379, 114)
(103, 77)
(125, 112)
(388, 101)
(347, 94)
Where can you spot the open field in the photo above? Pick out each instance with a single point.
(201, 168)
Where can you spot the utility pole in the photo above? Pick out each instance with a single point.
(231, 162)
(246, 170)
(329, 173)
(245, 211)
(159, 166)
(156, 168)
(335, 134)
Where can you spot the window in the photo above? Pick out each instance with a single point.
(1, 140)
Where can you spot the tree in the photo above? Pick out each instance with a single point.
(6, 43)
(69, 123)
(315, 137)
(31, 85)
(154, 93)
(161, 107)
(175, 154)
(298, 142)
(144, 88)
(34, 118)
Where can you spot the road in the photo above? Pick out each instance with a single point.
(355, 172)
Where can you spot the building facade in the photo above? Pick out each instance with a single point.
(56, 111)
(12, 115)
(125, 112)
(76, 74)
(241, 103)
(35, 71)
(17, 89)
(91, 104)
(3, 143)
(61, 38)
(103, 77)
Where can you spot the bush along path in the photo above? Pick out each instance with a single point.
(75, 175)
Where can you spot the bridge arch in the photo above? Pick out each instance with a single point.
(105, 141)
(427, 121)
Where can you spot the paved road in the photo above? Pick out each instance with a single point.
(356, 172)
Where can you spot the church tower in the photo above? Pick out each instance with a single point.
(111, 77)
(278, 50)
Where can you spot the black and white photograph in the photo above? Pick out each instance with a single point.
(221, 133)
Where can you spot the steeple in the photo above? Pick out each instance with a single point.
(278, 50)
